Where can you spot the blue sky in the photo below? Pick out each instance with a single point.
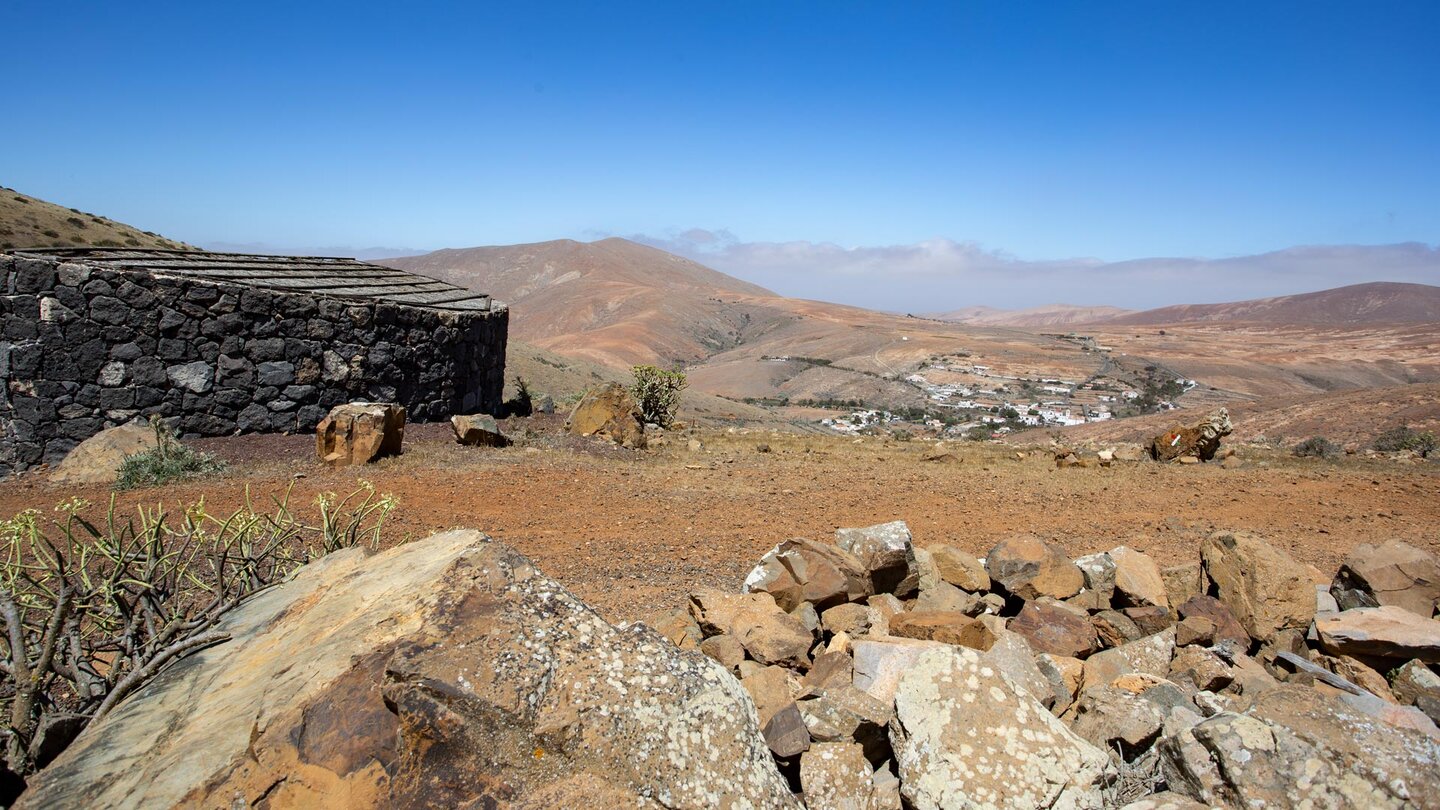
(1033, 131)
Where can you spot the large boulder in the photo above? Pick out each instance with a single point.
(1267, 589)
(1197, 441)
(611, 412)
(360, 432)
(1029, 568)
(1395, 573)
(965, 736)
(1298, 748)
(448, 672)
(1387, 632)
(97, 459)
(768, 634)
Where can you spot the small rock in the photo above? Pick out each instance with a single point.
(1200, 669)
(1227, 627)
(1194, 630)
(962, 570)
(948, 627)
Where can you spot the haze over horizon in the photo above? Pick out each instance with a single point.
(912, 159)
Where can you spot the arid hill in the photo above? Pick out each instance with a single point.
(612, 302)
(1376, 302)
(27, 222)
(1045, 317)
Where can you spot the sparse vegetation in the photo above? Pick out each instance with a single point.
(521, 404)
(658, 393)
(1316, 447)
(91, 612)
(1406, 438)
(168, 461)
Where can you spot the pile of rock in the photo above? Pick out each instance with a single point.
(887, 675)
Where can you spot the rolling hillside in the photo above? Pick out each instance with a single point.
(1052, 316)
(27, 222)
(1373, 303)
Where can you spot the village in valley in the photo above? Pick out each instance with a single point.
(970, 399)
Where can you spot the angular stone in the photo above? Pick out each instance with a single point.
(806, 615)
(768, 634)
(1395, 573)
(836, 776)
(948, 627)
(197, 377)
(1149, 655)
(826, 576)
(411, 678)
(1150, 618)
(1114, 628)
(771, 576)
(1194, 630)
(1183, 582)
(851, 617)
(944, 596)
(1070, 672)
(478, 430)
(829, 668)
(886, 552)
(1200, 670)
(1099, 573)
(1138, 582)
(1412, 681)
(1265, 587)
(1012, 656)
(1111, 718)
(1387, 632)
(1227, 627)
(785, 733)
(1056, 629)
(1029, 568)
(724, 650)
(1197, 442)
(770, 688)
(965, 736)
(962, 570)
(360, 432)
(846, 714)
(678, 627)
(880, 664)
(1298, 748)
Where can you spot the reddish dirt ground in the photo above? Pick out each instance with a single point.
(635, 532)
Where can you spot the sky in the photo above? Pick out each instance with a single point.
(1001, 153)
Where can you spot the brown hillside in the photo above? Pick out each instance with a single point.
(612, 302)
(27, 222)
(1376, 302)
(1052, 316)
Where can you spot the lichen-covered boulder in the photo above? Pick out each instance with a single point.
(1297, 748)
(448, 672)
(1198, 441)
(965, 736)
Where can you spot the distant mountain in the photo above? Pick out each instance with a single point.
(27, 222)
(613, 302)
(1045, 317)
(1373, 303)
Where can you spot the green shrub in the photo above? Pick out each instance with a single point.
(1316, 447)
(658, 393)
(1405, 438)
(93, 610)
(168, 461)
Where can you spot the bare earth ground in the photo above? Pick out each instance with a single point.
(635, 532)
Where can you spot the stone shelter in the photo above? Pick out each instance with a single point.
(224, 343)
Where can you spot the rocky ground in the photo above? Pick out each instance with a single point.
(635, 531)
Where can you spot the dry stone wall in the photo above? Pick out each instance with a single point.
(84, 348)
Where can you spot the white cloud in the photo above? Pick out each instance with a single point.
(943, 274)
